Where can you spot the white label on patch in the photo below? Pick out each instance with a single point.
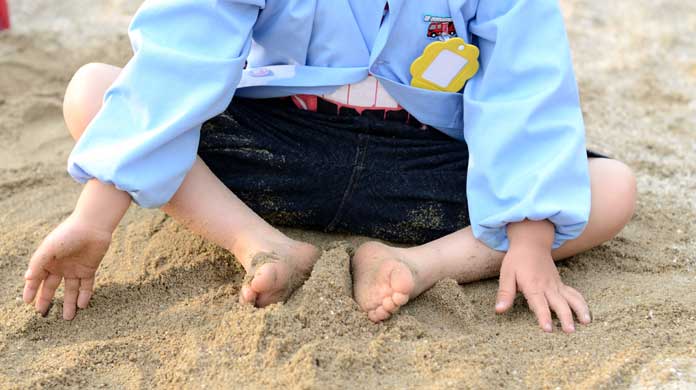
(445, 68)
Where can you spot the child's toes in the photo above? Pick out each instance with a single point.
(247, 295)
(401, 280)
(264, 300)
(399, 298)
(389, 305)
(265, 278)
(377, 315)
(381, 314)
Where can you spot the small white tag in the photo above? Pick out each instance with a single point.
(444, 68)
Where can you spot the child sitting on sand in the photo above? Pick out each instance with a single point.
(352, 116)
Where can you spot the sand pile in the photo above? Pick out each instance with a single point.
(165, 312)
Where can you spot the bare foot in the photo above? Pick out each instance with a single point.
(385, 278)
(275, 269)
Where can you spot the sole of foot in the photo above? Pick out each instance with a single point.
(273, 275)
(383, 279)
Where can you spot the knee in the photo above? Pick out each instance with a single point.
(617, 191)
(84, 94)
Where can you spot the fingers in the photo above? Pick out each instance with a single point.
(578, 304)
(507, 290)
(34, 276)
(32, 282)
(560, 306)
(538, 304)
(85, 293)
(72, 288)
(46, 293)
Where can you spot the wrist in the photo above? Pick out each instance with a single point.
(531, 235)
(85, 221)
(101, 206)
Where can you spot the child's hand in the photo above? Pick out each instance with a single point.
(529, 268)
(72, 252)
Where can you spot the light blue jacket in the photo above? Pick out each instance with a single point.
(520, 114)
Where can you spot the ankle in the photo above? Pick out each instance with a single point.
(426, 264)
(249, 244)
(243, 245)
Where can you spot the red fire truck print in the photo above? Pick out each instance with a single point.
(440, 27)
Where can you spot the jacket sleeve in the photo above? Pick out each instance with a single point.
(188, 59)
(523, 124)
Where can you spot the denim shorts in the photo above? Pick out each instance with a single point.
(356, 174)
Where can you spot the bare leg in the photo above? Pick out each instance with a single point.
(386, 277)
(275, 263)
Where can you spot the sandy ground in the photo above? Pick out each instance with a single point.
(165, 311)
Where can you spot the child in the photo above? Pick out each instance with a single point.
(326, 132)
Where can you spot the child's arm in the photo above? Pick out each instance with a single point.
(188, 60)
(187, 63)
(74, 250)
(529, 268)
(528, 162)
(524, 126)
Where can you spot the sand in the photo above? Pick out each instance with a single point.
(165, 314)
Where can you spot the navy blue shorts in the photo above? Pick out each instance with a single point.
(357, 174)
